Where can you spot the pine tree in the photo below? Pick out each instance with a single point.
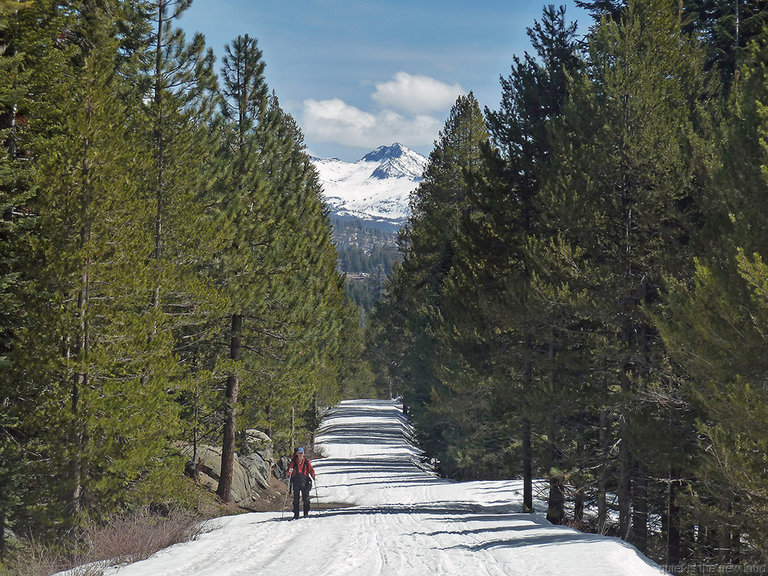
(182, 81)
(85, 345)
(15, 222)
(506, 217)
(173, 88)
(418, 333)
(635, 176)
(25, 34)
(245, 213)
(610, 9)
(714, 327)
(14, 176)
(726, 27)
(298, 340)
(277, 231)
(14, 172)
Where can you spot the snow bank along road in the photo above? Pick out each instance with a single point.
(406, 521)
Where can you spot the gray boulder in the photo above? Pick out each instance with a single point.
(280, 468)
(258, 468)
(207, 472)
(257, 455)
(252, 467)
(257, 441)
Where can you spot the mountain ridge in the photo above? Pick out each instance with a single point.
(375, 188)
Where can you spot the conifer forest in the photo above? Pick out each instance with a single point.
(580, 299)
(167, 270)
(584, 292)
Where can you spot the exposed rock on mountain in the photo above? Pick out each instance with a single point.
(376, 188)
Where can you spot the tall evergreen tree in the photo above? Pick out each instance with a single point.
(297, 341)
(171, 84)
(506, 216)
(15, 221)
(715, 326)
(274, 262)
(429, 244)
(246, 215)
(85, 345)
(181, 81)
(726, 27)
(636, 179)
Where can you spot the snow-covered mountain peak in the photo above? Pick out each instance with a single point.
(385, 153)
(376, 187)
(400, 162)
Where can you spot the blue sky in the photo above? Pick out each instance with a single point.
(361, 74)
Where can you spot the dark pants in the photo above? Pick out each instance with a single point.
(301, 484)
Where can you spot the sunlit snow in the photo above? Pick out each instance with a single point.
(405, 521)
(376, 187)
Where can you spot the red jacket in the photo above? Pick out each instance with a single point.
(297, 467)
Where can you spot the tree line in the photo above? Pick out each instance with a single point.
(583, 295)
(366, 255)
(166, 267)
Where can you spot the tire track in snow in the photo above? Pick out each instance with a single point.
(404, 522)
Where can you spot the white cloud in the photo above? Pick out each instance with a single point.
(409, 110)
(336, 121)
(416, 94)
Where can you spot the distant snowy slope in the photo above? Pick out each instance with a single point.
(406, 521)
(376, 187)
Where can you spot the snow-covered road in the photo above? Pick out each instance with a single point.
(405, 521)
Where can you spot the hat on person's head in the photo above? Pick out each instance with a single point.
(301, 450)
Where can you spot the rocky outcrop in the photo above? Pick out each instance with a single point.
(257, 456)
(252, 467)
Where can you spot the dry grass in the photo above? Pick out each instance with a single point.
(141, 534)
(124, 540)
(32, 558)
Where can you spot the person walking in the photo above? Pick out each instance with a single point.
(301, 474)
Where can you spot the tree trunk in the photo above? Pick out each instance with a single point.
(624, 491)
(556, 499)
(526, 430)
(625, 484)
(673, 521)
(79, 464)
(602, 480)
(159, 151)
(80, 467)
(230, 410)
(640, 509)
(527, 467)
(196, 428)
(578, 509)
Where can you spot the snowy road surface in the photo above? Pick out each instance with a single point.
(406, 521)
